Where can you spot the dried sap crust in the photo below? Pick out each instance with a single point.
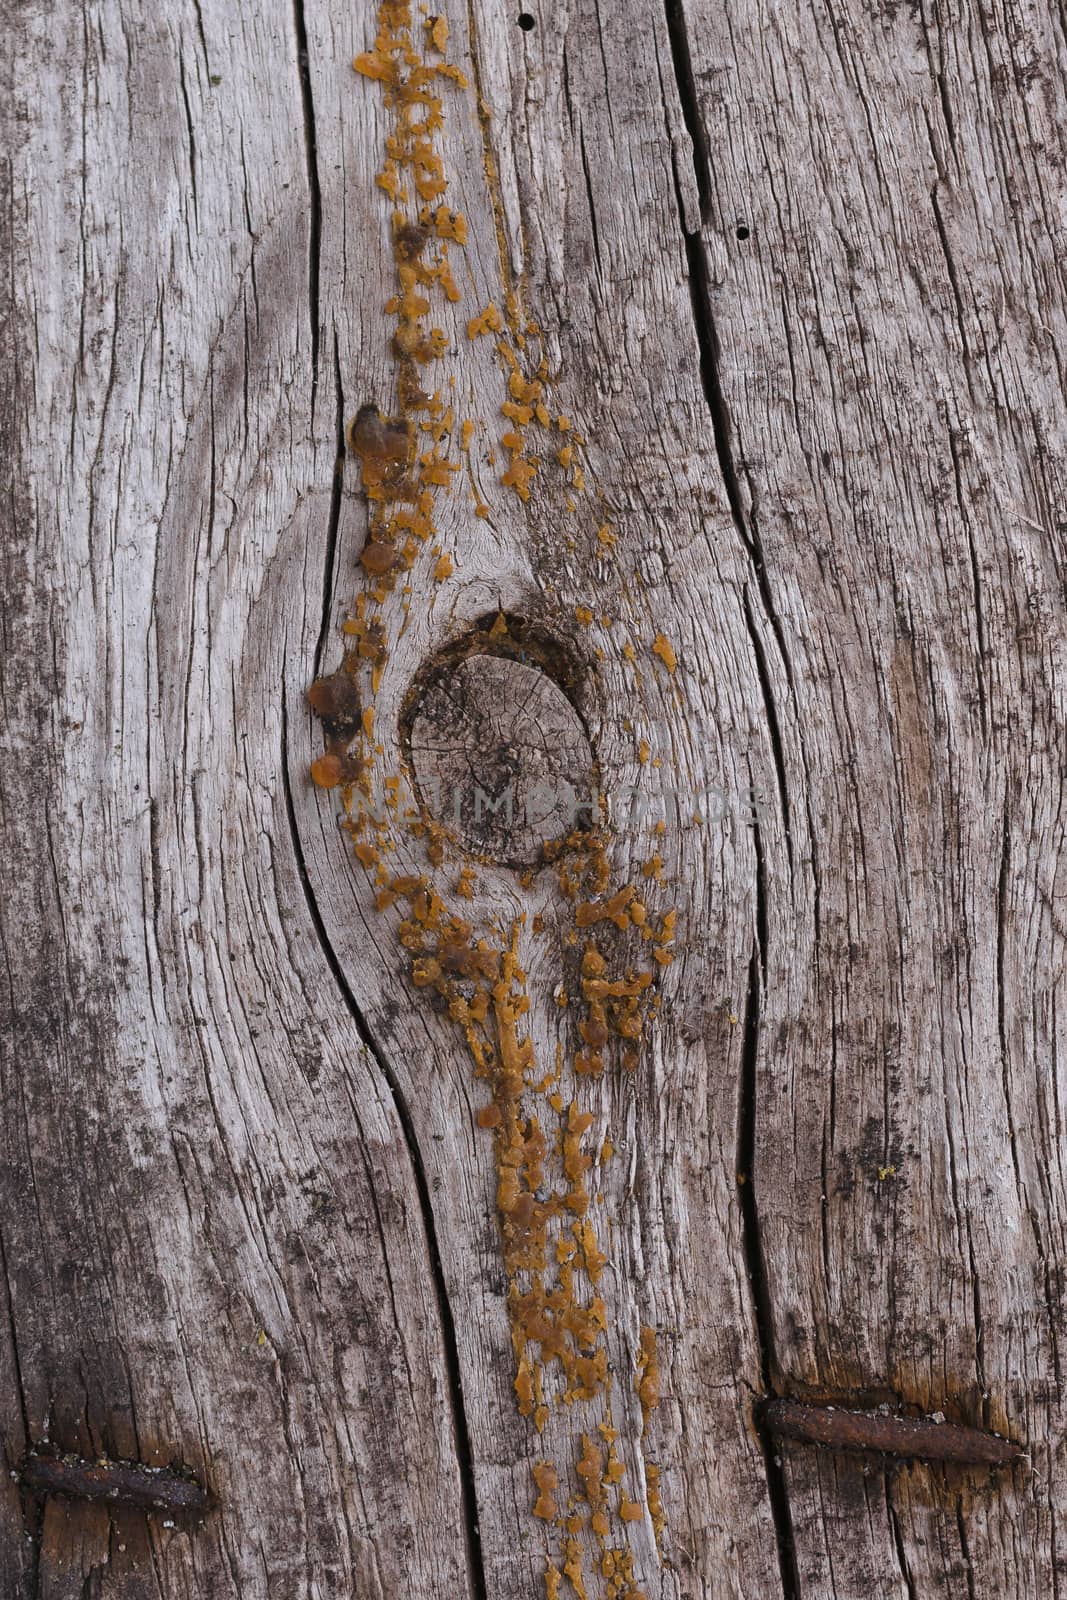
(553, 1239)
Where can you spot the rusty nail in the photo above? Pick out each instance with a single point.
(120, 1482)
(920, 1438)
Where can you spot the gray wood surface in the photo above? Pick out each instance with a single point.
(795, 569)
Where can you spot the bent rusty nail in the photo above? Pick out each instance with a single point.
(120, 1482)
(920, 1438)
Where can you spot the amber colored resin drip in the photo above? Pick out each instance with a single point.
(553, 1239)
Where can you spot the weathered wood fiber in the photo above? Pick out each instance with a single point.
(797, 276)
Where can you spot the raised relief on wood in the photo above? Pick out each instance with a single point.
(497, 772)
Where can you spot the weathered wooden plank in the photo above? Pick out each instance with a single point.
(883, 235)
(213, 1242)
(794, 285)
(621, 338)
(527, 560)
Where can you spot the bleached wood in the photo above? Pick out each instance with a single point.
(892, 336)
(230, 1231)
(213, 1246)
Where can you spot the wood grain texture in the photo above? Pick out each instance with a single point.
(213, 1243)
(891, 337)
(500, 758)
(798, 276)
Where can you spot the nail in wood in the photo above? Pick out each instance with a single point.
(119, 1482)
(918, 1438)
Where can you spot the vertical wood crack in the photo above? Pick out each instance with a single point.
(334, 521)
(722, 428)
(192, 153)
(683, 72)
(307, 101)
(752, 1244)
(450, 1345)
(708, 346)
(899, 1544)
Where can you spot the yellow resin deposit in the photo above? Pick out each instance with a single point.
(588, 1499)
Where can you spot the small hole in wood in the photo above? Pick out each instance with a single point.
(526, 22)
(743, 230)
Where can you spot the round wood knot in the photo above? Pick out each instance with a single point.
(501, 758)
